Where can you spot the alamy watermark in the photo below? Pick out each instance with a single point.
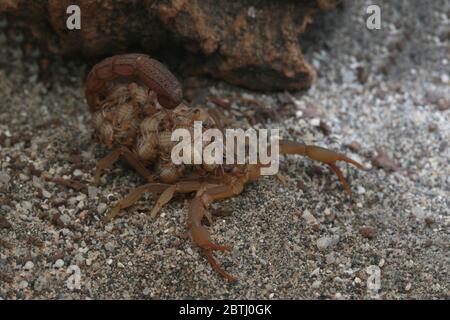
(373, 21)
(207, 147)
(374, 279)
(73, 282)
(73, 22)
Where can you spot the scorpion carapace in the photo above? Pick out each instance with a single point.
(135, 121)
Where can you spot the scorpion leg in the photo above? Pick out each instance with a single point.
(111, 158)
(323, 155)
(200, 234)
(134, 196)
(167, 192)
(180, 187)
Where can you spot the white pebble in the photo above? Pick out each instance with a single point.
(315, 122)
(59, 263)
(315, 272)
(46, 194)
(361, 190)
(146, 291)
(77, 173)
(28, 265)
(92, 192)
(325, 242)
(309, 218)
(101, 208)
(4, 178)
(316, 284)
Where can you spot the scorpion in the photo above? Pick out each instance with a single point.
(135, 119)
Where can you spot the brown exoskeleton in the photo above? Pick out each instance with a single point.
(136, 120)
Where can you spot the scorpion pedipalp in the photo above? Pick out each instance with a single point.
(323, 155)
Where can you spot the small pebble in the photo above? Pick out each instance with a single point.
(361, 190)
(46, 194)
(327, 241)
(28, 265)
(146, 291)
(65, 219)
(4, 178)
(368, 232)
(40, 284)
(59, 263)
(101, 208)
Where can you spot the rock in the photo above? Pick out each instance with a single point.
(310, 219)
(315, 272)
(92, 192)
(27, 205)
(4, 224)
(383, 161)
(368, 232)
(354, 146)
(46, 194)
(23, 284)
(443, 104)
(4, 178)
(327, 241)
(110, 246)
(65, 218)
(28, 265)
(330, 258)
(40, 284)
(361, 190)
(250, 43)
(101, 208)
(58, 264)
(77, 173)
(146, 291)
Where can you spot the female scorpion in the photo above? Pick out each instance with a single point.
(135, 121)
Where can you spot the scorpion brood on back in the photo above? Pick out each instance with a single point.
(136, 121)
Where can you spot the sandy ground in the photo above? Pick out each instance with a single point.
(382, 97)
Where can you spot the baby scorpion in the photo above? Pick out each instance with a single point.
(136, 120)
